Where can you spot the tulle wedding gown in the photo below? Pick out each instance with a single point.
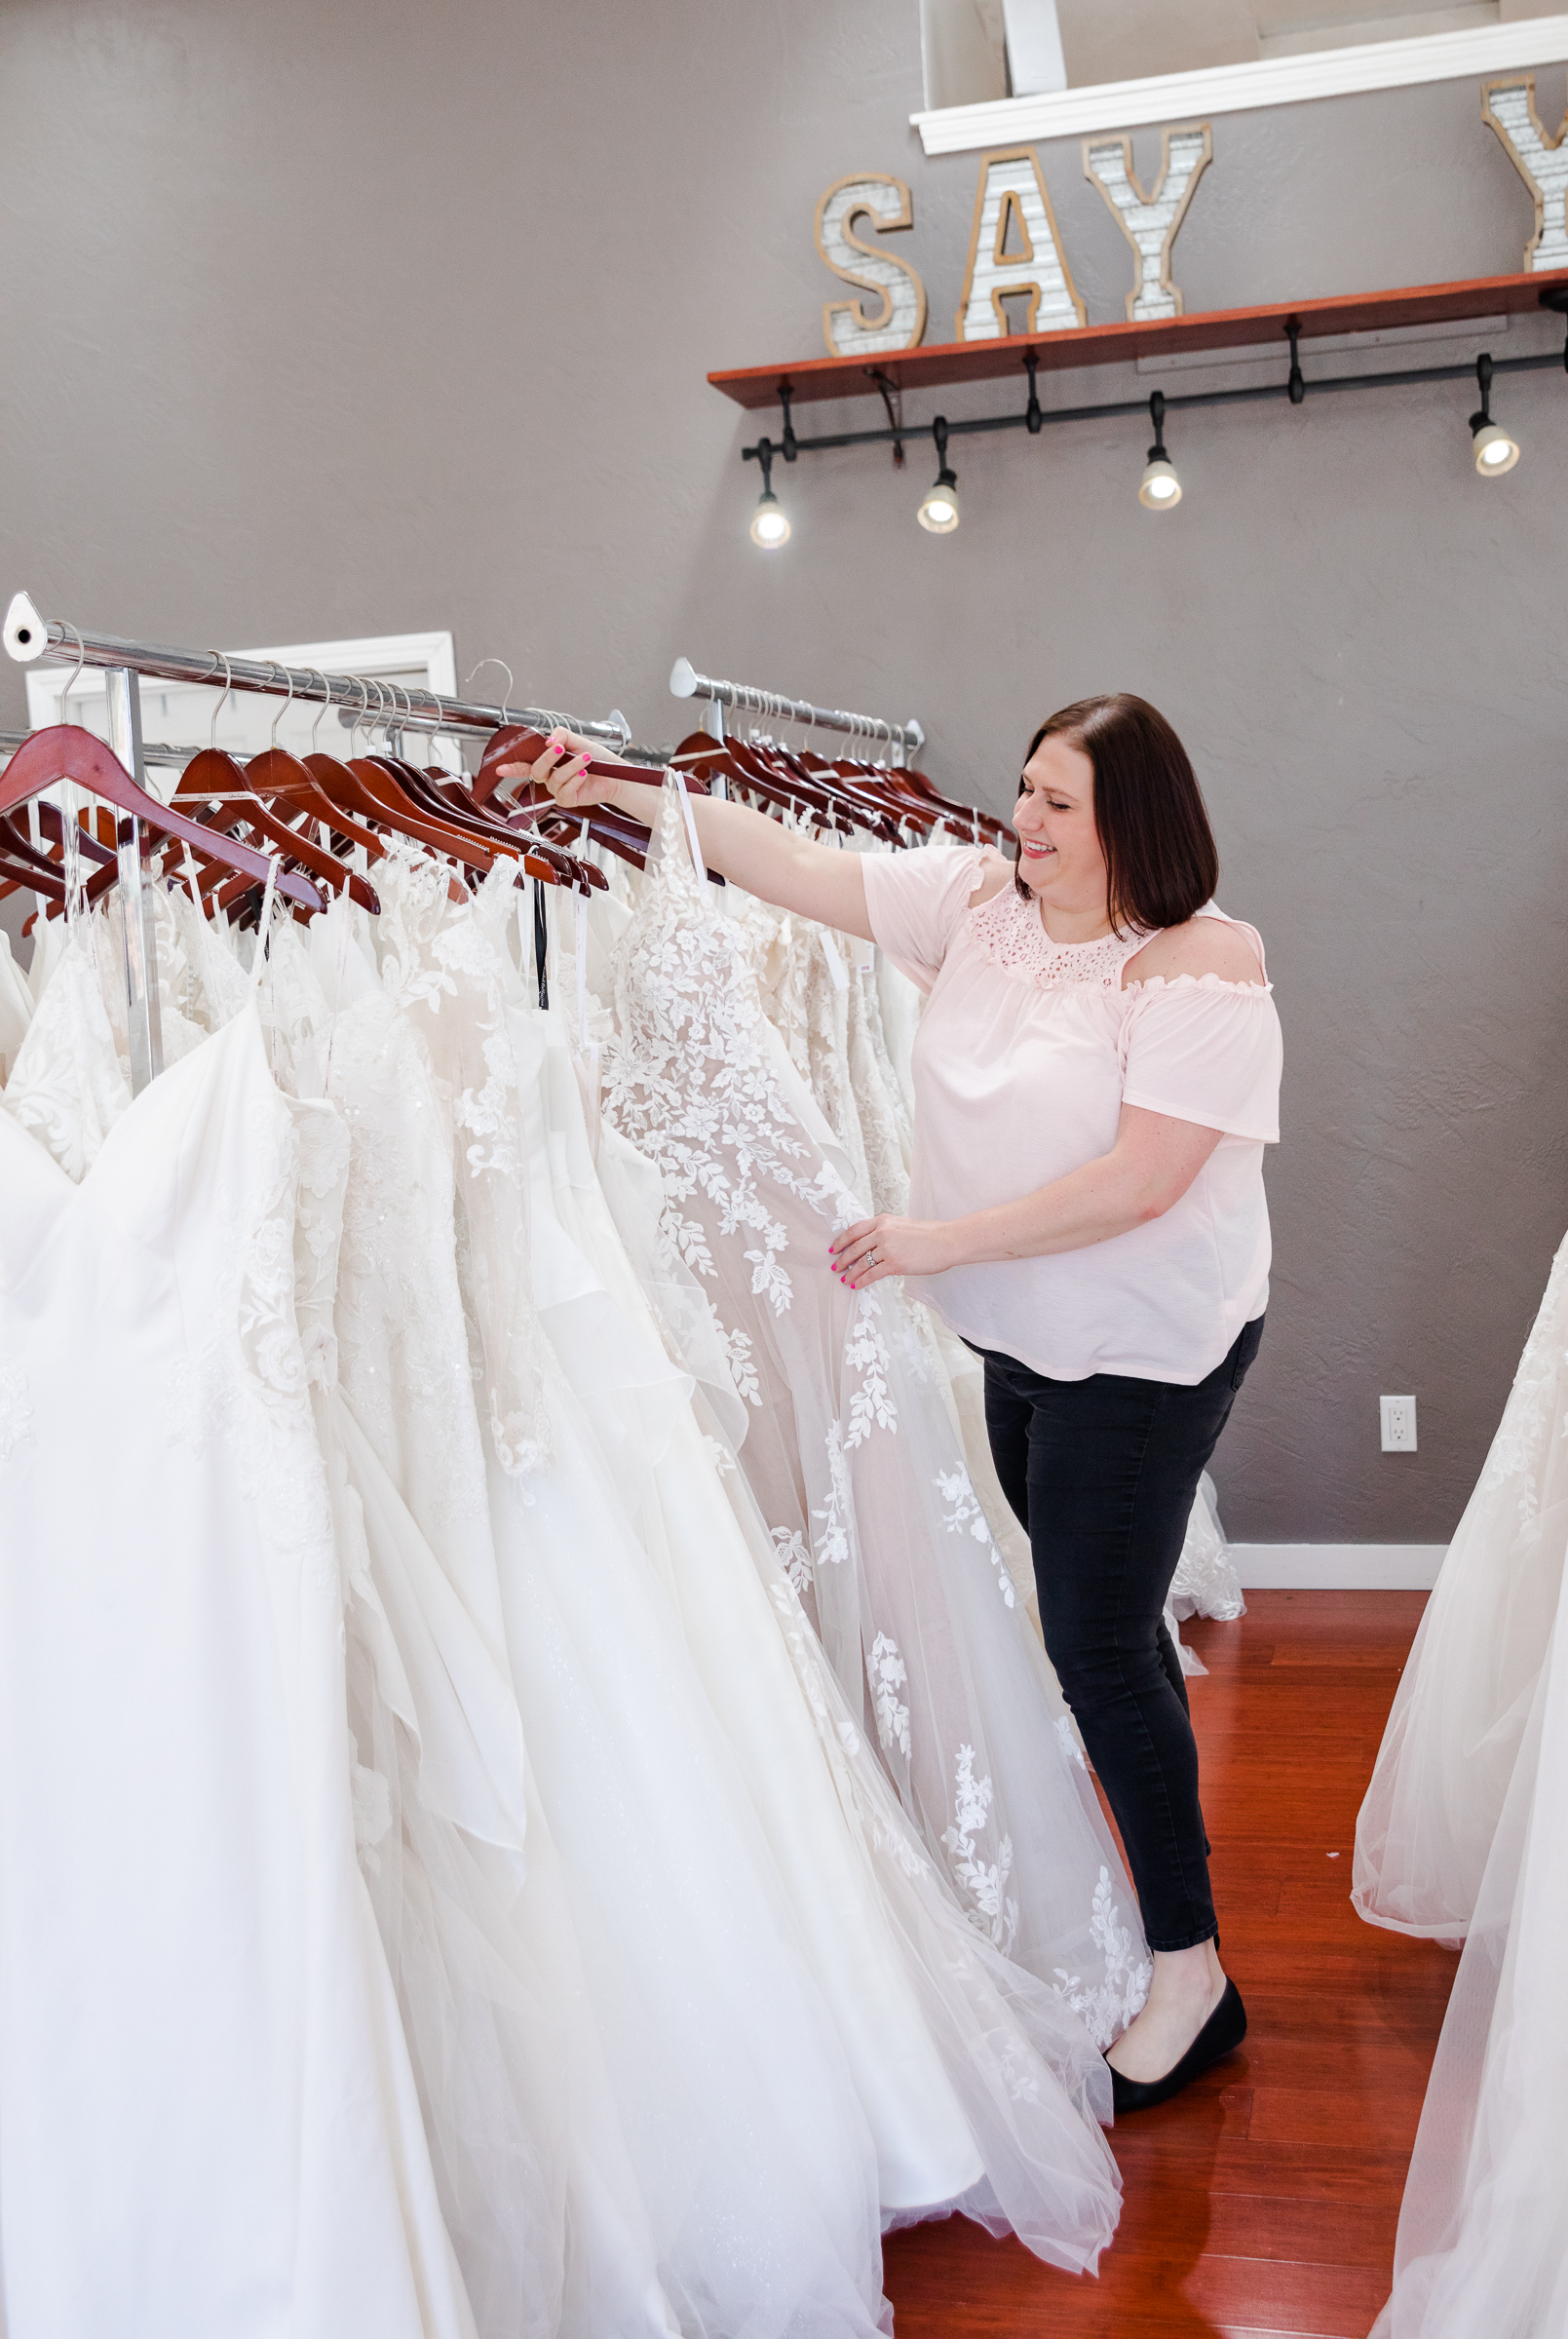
(209, 2115)
(1452, 1743)
(981, 2087)
(1461, 1837)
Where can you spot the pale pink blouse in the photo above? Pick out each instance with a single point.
(1026, 1051)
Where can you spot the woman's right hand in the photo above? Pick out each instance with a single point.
(562, 770)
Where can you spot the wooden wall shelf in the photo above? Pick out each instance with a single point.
(753, 386)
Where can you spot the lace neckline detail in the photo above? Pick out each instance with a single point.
(1013, 936)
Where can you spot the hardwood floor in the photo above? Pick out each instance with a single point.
(1265, 2198)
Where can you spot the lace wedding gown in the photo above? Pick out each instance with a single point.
(981, 2088)
(755, 2166)
(851, 1455)
(1452, 1744)
(532, 2174)
(210, 2117)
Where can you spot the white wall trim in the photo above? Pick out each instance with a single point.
(1337, 1566)
(1238, 89)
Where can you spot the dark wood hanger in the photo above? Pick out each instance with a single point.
(454, 802)
(218, 785)
(65, 752)
(289, 780)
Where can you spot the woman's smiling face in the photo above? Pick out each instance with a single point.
(1060, 857)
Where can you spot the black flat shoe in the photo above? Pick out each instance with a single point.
(1220, 2034)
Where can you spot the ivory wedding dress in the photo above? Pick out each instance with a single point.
(751, 2150)
(531, 2173)
(1461, 1837)
(210, 2118)
(1451, 1747)
(851, 1455)
(1482, 2246)
(980, 2088)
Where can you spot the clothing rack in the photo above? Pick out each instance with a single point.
(685, 682)
(153, 750)
(28, 636)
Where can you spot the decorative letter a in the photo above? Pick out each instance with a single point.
(1541, 161)
(1013, 193)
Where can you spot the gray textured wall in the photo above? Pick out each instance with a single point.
(335, 318)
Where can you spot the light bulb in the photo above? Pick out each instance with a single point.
(1160, 489)
(939, 505)
(770, 525)
(1495, 452)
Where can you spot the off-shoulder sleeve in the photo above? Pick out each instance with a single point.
(915, 900)
(1205, 1051)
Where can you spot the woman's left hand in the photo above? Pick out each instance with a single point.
(873, 1248)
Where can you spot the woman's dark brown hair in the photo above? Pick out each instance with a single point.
(1160, 861)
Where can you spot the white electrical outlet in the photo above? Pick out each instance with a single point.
(1399, 1418)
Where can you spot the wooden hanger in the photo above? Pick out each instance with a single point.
(221, 787)
(65, 752)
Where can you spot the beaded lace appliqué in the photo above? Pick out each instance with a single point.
(1013, 938)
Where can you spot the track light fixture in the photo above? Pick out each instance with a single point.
(770, 521)
(939, 505)
(1159, 489)
(1495, 452)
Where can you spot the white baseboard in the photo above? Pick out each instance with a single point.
(1337, 1566)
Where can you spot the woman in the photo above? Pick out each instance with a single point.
(1096, 1074)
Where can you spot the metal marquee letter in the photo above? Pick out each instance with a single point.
(1150, 222)
(1541, 161)
(900, 322)
(1013, 194)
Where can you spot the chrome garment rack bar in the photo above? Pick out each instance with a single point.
(29, 636)
(153, 750)
(902, 740)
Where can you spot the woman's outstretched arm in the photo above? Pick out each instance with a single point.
(793, 872)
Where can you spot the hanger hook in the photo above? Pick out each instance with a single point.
(288, 702)
(224, 696)
(359, 712)
(326, 700)
(81, 661)
(506, 703)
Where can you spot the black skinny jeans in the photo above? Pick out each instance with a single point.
(1103, 1474)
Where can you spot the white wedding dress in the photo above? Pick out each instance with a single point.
(1451, 1747)
(209, 2121)
(1460, 1837)
(981, 2088)
(752, 2155)
(852, 1457)
(1482, 2247)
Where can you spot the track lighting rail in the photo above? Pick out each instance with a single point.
(1160, 489)
(817, 442)
(903, 739)
(29, 636)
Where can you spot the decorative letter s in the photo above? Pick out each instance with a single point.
(900, 322)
